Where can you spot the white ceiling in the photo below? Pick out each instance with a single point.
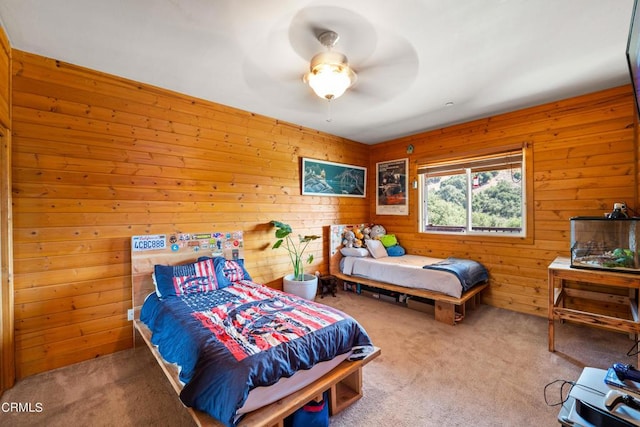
(412, 56)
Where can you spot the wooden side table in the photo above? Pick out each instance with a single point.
(560, 271)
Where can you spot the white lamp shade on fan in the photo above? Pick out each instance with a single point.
(330, 75)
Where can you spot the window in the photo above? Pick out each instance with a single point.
(479, 195)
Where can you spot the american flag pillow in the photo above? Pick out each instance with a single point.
(233, 271)
(185, 279)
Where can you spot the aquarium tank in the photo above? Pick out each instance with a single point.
(605, 243)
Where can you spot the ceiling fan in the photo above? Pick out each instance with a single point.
(329, 72)
(382, 64)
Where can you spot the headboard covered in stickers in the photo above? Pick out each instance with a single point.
(173, 249)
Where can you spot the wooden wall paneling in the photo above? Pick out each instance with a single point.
(97, 159)
(584, 160)
(7, 356)
(636, 137)
(5, 80)
(7, 348)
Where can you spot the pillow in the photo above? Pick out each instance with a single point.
(234, 270)
(395, 250)
(357, 252)
(376, 248)
(389, 240)
(178, 280)
(155, 283)
(228, 271)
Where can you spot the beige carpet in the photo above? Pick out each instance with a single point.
(490, 370)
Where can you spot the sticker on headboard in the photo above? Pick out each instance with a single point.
(227, 244)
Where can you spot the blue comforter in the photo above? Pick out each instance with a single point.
(247, 335)
(469, 272)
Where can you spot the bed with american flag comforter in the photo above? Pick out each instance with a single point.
(231, 340)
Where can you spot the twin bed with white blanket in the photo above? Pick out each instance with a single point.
(451, 283)
(449, 277)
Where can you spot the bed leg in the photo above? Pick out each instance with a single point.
(461, 310)
(345, 392)
(445, 312)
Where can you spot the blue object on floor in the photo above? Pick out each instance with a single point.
(313, 414)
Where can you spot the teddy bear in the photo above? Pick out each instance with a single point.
(377, 231)
(351, 239)
(348, 239)
(366, 231)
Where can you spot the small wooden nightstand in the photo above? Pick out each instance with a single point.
(560, 272)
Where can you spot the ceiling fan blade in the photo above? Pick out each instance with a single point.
(277, 80)
(358, 37)
(399, 53)
(390, 71)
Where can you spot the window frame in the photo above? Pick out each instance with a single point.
(450, 162)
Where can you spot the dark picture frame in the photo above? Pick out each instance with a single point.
(323, 178)
(392, 197)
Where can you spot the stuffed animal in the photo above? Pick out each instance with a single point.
(377, 231)
(348, 239)
(358, 233)
(395, 250)
(367, 233)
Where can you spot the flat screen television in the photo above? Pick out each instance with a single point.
(633, 54)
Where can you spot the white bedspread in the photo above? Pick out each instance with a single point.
(404, 271)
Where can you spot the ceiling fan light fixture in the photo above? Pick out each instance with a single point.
(330, 75)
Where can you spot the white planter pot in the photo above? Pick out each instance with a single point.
(303, 288)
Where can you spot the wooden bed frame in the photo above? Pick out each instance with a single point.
(343, 383)
(447, 309)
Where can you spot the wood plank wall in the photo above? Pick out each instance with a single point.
(584, 160)
(97, 159)
(7, 370)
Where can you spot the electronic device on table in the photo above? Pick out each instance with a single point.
(604, 398)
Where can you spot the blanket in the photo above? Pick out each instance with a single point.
(247, 335)
(469, 272)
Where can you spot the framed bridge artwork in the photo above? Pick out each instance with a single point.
(322, 178)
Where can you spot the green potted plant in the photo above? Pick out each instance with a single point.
(297, 283)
